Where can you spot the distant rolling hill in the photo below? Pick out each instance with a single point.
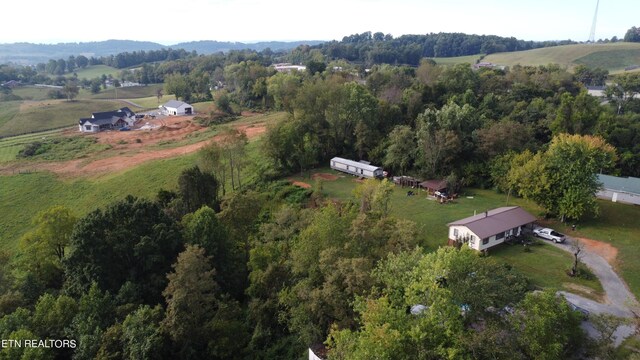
(28, 53)
(614, 57)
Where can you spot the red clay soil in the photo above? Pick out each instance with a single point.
(301, 184)
(324, 176)
(607, 251)
(172, 129)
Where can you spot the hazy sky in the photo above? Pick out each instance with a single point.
(170, 22)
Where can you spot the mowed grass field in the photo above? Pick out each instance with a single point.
(19, 117)
(612, 56)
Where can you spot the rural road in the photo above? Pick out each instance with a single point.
(618, 299)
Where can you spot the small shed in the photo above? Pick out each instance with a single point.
(434, 185)
(406, 181)
(175, 107)
(361, 169)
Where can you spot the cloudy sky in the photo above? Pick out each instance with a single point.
(171, 22)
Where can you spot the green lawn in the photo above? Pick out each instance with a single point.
(545, 265)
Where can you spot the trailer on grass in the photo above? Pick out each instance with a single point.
(360, 169)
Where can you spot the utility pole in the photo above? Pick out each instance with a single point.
(592, 34)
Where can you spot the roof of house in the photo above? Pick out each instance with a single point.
(434, 184)
(92, 121)
(630, 184)
(496, 220)
(356, 164)
(174, 104)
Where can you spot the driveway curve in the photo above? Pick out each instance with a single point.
(619, 301)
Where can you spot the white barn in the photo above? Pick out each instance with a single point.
(175, 107)
(619, 189)
(490, 228)
(356, 168)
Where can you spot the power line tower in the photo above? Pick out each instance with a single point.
(592, 34)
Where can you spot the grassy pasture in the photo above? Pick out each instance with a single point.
(32, 92)
(49, 114)
(614, 60)
(24, 195)
(94, 71)
(130, 92)
(568, 55)
(469, 59)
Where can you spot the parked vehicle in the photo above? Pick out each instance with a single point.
(549, 234)
(583, 312)
(125, 128)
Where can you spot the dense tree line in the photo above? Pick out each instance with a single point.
(378, 48)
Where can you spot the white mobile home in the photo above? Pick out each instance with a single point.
(619, 189)
(356, 168)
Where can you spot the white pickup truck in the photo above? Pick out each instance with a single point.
(549, 234)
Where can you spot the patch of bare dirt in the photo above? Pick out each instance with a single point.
(324, 176)
(607, 251)
(171, 128)
(301, 184)
(585, 291)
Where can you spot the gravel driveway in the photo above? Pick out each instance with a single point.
(618, 299)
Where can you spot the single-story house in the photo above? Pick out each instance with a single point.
(489, 228)
(434, 185)
(175, 107)
(108, 120)
(619, 189)
(361, 169)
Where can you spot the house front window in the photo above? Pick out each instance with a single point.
(499, 236)
(455, 232)
(485, 241)
(87, 127)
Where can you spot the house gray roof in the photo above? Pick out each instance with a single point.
(174, 104)
(496, 221)
(629, 185)
(101, 121)
(356, 164)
